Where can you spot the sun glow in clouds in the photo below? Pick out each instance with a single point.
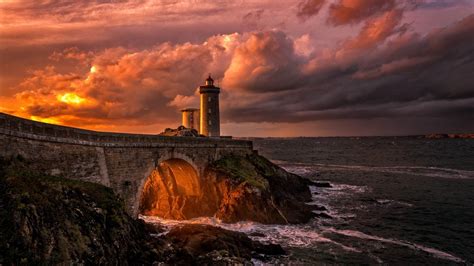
(45, 120)
(70, 98)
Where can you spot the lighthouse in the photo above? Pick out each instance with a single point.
(210, 122)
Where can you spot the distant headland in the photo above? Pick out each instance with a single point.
(449, 136)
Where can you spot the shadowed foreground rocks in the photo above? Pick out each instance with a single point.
(53, 220)
(205, 244)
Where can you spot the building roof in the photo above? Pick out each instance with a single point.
(189, 109)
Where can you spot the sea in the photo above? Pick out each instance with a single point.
(391, 200)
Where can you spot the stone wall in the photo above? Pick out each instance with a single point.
(121, 161)
(11, 125)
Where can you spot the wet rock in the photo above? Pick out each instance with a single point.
(369, 200)
(209, 245)
(153, 228)
(322, 184)
(323, 215)
(257, 234)
(269, 249)
(52, 220)
(319, 208)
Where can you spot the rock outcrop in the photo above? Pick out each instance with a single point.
(252, 188)
(234, 188)
(181, 131)
(206, 245)
(52, 220)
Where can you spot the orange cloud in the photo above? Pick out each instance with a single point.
(138, 62)
(376, 30)
(183, 101)
(266, 61)
(135, 87)
(354, 11)
(73, 53)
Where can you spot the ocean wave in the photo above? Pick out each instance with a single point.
(285, 235)
(326, 197)
(317, 233)
(432, 251)
(305, 169)
(300, 235)
(388, 202)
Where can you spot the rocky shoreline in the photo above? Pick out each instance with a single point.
(53, 220)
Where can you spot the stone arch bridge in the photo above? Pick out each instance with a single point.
(117, 160)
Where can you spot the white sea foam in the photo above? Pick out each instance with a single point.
(324, 196)
(434, 252)
(305, 168)
(299, 170)
(411, 170)
(285, 235)
(389, 202)
(312, 234)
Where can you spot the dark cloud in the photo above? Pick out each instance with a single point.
(440, 4)
(408, 76)
(253, 18)
(309, 8)
(128, 65)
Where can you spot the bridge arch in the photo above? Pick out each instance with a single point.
(178, 155)
(171, 189)
(118, 160)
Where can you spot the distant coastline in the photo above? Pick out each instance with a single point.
(450, 136)
(426, 136)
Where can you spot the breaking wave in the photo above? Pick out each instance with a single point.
(313, 234)
(305, 169)
(434, 252)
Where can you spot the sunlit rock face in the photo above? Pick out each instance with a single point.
(173, 191)
(234, 188)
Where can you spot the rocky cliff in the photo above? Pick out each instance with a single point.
(234, 188)
(252, 188)
(53, 220)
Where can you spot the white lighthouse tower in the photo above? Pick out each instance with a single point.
(210, 121)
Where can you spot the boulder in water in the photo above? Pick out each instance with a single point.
(209, 245)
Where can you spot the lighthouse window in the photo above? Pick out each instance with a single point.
(210, 110)
(209, 99)
(210, 123)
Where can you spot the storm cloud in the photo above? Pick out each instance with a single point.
(131, 65)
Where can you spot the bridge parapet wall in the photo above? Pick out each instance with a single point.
(20, 127)
(117, 160)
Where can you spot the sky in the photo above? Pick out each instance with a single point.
(285, 68)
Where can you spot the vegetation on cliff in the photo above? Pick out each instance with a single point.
(53, 220)
(245, 169)
(253, 188)
(233, 188)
